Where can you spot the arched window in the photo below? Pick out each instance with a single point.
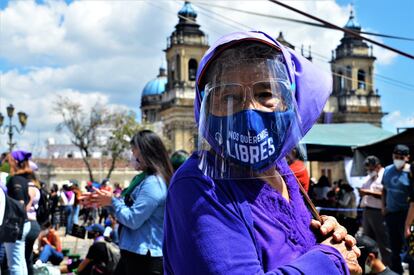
(348, 79)
(178, 67)
(192, 69)
(361, 79)
(340, 82)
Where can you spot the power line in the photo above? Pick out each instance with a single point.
(323, 58)
(385, 79)
(151, 3)
(237, 26)
(343, 29)
(300, 21)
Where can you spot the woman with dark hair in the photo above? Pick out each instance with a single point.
(18, 189)
(140, 210)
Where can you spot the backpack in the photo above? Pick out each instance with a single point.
(114, 255)
(42, 210)
(13, 221)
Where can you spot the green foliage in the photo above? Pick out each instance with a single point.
(83, 127)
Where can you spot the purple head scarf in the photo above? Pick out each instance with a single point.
(20, 155)
(312, 86)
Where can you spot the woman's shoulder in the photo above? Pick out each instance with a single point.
(189, 171)
(189, 183)
(153, 178)
(153, 184)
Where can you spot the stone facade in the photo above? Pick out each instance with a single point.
(60, 170)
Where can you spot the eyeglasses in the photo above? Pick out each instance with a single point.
(270, 95)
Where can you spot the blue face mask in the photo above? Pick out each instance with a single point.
(250, 137)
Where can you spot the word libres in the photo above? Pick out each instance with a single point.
(248, 148)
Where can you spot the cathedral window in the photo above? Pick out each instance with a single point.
(361, 79)
(178, 67)
(192, 69)
(340, 82)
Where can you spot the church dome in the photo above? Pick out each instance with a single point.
(187, 11)
(157, 85)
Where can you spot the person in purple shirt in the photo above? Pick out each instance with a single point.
(234, 206)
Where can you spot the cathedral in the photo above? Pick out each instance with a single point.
(167, 100)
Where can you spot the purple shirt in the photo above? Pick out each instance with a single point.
(277, 222)
(229, 227)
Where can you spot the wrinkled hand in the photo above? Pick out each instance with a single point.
(350, 254)
(101, 197)
(331, 227)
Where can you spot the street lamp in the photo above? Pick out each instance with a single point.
(22, 119)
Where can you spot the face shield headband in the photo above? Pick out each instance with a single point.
(247, 113)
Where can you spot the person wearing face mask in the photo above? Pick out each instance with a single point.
(234, 207)
(140, 209)
(373, 222)
(395, 202)
(370, 258)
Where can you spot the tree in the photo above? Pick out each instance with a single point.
(82, 126)
(124, 126)
(84, 129)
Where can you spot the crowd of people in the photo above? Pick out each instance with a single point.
(237, 205)
(384, 214)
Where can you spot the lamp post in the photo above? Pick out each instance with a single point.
(10, 127)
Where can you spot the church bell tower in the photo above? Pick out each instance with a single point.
(354, 98)
(185, 48)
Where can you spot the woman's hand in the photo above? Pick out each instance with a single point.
(85, 199)
(350, 254)
(330, 226)
(101, 197)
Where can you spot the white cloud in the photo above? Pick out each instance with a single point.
(384, 56)
(107, 50)
(397, 120)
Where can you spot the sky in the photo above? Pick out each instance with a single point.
(106, 51)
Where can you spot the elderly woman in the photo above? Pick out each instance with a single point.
(234, 207)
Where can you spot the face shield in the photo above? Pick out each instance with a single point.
(248, 114)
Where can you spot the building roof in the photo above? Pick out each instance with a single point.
(345, 134)
(352, 22)
(157, 85)
(78, 164)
